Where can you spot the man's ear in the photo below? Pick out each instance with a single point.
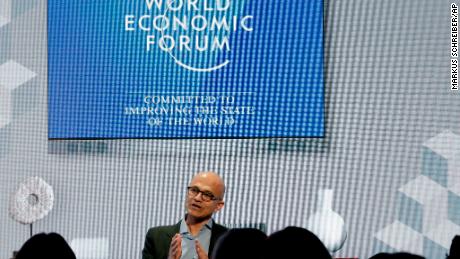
(220, 205)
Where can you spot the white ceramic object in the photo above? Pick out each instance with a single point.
(32, 201)
(326, 224)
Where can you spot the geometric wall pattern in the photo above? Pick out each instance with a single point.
(12, 75)
(429, 205)
(5, 12)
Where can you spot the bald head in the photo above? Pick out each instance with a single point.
(205, 196)
(213, 180)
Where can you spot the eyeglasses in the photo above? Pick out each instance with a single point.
(193, 191)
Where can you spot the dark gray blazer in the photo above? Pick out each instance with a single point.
(158, 239)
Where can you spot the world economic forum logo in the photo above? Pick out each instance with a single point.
(196, 34)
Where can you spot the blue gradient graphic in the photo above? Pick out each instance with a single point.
(97, 71)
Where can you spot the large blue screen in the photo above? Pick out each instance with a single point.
(185, 69)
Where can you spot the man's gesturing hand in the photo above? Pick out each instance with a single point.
(200, 251)
(175, 249)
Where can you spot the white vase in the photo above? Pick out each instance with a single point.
(326, 224)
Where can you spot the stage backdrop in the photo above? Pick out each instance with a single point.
(390, 148)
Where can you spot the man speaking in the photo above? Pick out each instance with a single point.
(195, 235)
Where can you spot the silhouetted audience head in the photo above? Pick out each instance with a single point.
(295, 242)
(396, 256)
(454, 252)
(46, 246)
(240, 243)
